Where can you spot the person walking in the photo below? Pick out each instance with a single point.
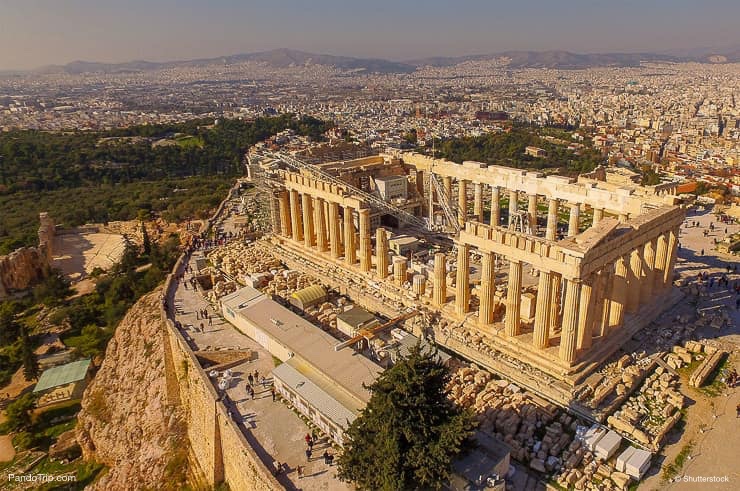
(272, 391)
(202, 327)
(250, 379)
(300, 471)
(326, 457)
(308, 454)
(210, 320)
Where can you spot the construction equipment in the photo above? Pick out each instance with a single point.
(373, 201)
(444, 202)
(368, 334)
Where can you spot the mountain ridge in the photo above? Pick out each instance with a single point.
(285, 58)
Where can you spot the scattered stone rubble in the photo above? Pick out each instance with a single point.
(539, 434)
(648, 415)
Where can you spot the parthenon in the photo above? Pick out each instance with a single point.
(557, 272)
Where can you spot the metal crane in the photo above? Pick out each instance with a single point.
(370, 333)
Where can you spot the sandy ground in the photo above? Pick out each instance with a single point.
(78, 254)
(7, 452)
(711, 422)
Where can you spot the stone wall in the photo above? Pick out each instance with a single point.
(219, 451)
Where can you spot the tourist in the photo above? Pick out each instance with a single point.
(300, 472)
(202, 327)
(308, 454)
(326, 457)
(210, 320)
(307, 438)
(251, 379)
(272, 391)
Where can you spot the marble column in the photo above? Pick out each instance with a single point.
(568, 334)
(552, 219)
(320, 221)
(334, 235)
(478, 201)
(487, 288)
(532, 213)
(619, 292)
(555, 300)
(399, 270)
(513, 205)
(513, 300)
(366, 262)
(573, 222)
(350, 252)
(462, 202)
(285, 221)
(598, 215)
(307, 207)
(661, 259)
(602, 320)
(381, 252)
(462, 285)
(671, 259)
(439, 285)
(648, 270)
(295, 217)
(585, 314)
(634, 277)
(542, 312)
(495, 206)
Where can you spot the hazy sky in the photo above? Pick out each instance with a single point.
(39, 32)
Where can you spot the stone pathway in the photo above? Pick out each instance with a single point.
(277, 432)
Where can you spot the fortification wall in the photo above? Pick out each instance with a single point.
(219, 451)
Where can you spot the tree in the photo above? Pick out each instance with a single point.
(145, 239)
(30, 362)
(17, 412)
(409, 432)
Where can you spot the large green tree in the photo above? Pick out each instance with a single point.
(409, 433)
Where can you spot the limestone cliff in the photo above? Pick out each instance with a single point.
(125, 421)
(20, 269)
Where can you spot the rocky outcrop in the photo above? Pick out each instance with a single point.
(20, 269)
(125, 422)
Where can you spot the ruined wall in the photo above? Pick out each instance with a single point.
(219, 451)
(20, 269)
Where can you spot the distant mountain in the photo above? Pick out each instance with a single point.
(553, 59)
(283, 58)
(278, 58)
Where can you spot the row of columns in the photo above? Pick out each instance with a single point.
(578, 309)
(495, 214)
(307, 219)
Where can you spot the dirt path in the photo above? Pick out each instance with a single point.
(7, 452)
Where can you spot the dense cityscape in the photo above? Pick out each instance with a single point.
(290, 270)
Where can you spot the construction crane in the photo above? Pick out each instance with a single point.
(373, 201)
(444, 202)
(370, 333)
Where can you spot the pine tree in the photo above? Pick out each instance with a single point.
(145, 240)
(30, 362)
(409, 433)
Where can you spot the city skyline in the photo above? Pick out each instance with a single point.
(113, 33)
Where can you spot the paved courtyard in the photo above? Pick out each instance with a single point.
(276, 432)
